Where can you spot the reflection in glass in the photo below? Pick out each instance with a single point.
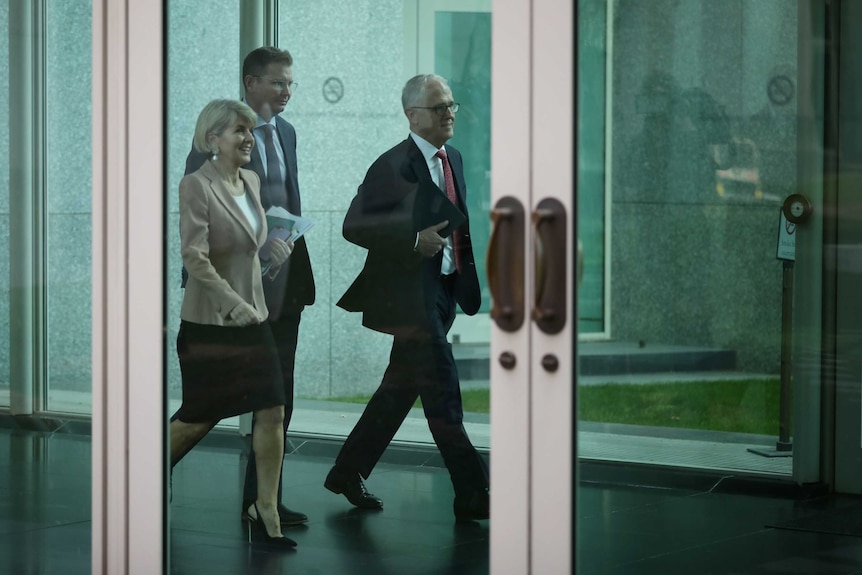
(690, 137)
(695, 176)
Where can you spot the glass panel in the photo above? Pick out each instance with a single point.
(848, 238)
(690, 140)
(711, 113)
(592, 192)
(45, 230)
(69, 205)
(5, 279)
(344, 111)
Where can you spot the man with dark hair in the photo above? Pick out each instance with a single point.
(410, 213)
(267, 77)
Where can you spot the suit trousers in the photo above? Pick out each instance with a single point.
(420, 365)
(285, 331)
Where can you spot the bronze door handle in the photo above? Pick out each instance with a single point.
(505, 264)
(549, 225)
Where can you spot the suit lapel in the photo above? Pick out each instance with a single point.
(283, 135)
(224, 197)
(419, 165)
(286, 139)
(417, 161)
(256, 163)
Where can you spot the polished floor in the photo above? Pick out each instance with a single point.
(631, 519)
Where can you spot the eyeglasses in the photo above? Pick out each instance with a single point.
(441, 109)
(280, 85)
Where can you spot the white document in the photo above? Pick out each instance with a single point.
(282, 224)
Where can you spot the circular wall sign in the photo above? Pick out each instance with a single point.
(780, 90)
(333, 90)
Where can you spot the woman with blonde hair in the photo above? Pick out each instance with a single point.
(228, 358)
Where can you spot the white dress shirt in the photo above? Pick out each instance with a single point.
(435, 166)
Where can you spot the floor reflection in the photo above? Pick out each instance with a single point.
(631, 519)
(414, 533)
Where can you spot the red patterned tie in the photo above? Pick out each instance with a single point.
(450, 193)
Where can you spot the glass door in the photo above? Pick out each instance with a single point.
(691, 139)
(695, 122)
(844, 255)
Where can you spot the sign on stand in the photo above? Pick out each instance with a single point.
(786, 239)
(786, 252)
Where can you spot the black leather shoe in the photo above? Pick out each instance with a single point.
(352, 487)
(288, 517)
(473, 507)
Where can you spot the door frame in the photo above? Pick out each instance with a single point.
(533, 472)
(128, 421)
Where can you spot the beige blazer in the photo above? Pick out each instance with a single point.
(218, 247)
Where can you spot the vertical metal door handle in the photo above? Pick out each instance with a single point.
(549, 226)
(505, 264)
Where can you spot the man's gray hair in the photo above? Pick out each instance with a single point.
(413, 93)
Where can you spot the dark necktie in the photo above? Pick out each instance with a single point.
(275, 188)
(457, 240)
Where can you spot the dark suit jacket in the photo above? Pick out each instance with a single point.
(396, 290)
(293, 287)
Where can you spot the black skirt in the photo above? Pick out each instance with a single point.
(227, 371)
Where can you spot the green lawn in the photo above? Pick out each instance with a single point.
(747, 406)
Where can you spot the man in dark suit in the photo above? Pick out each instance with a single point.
(410, 213)
(267, 76)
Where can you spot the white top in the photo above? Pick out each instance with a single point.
(244, 203)
(435, 166)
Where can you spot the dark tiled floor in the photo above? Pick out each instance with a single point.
(630, 520)
(414, 534)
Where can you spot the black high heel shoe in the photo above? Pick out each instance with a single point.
(258, 535)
